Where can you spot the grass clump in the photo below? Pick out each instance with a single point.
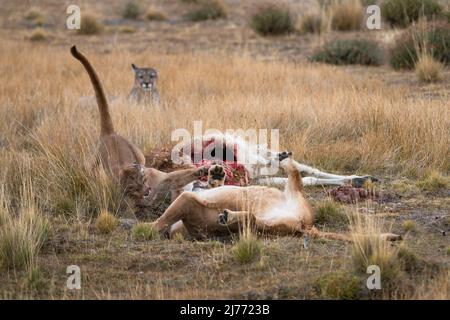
(342, 52)
(155, 15)
(338, 285)
(22, 235)
(402, 12)
(145, 231)
(247, 249)
(38, 35)
(432, 40)
(370, 249)
(272, 20)
(347, 15)
(329, 213)
(132, 11)
(106, 222)
(433, 181)
(35, 17)
(208, 10)
(428, 69)
(409, 226)
(90, 25)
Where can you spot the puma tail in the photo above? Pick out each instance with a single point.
(106, 125)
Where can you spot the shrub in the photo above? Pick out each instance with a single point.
(409, 226)
(347, 15)
(38, 35)
(131, 11)
(106, 222)
(89, 25)
(247, 249)
(403, 12)
(435, 40)
(155, 15)
(312, 23)
(36, 17)
(341, 52)
(428, 69)
(433, 181)
(145, 231)
(271, 19)
(338, 286)
(208, 10)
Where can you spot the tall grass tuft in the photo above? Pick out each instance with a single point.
(23, 231)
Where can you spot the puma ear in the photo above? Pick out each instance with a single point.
(134, 66)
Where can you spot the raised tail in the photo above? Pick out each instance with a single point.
(106, 125)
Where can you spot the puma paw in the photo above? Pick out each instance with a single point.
(223, 217)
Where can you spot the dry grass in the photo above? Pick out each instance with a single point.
(370, 249)
(90, 24)
(38, 35)
(346, 15)
(428, 69)
(155, 15)
(433, 181)
(23, 231)
(409, 226)
(106, 222)
(344, 124)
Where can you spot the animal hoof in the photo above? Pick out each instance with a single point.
(223, 217)
(360, 181)
(284, 155)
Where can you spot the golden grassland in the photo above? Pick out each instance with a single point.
(328, 117)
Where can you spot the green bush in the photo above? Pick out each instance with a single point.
(330, 213)
(247, 249)
(271, 19)
(338, 286)
(131, 11)
(402, 12)
(208, 10)
(436, 41)
(341, 52)
(145, 231)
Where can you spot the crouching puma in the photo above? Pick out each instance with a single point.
(123, 161)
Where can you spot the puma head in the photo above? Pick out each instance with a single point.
(145, 78)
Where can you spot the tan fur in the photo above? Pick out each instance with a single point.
(124, 161)
(200, 214)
